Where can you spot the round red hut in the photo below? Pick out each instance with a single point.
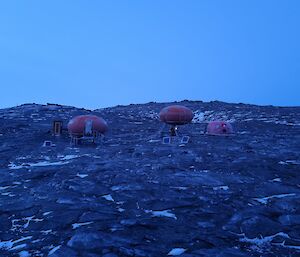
(87, 125)
(176, 115)
(219, 128)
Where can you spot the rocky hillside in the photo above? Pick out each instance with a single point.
(134, 196)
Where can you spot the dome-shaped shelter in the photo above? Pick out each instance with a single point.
(176, 115)
(87, 127)
(219, 128)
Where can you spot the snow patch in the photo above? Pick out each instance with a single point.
(78, 225)
(264, 200)
(221, 188)
(13, 166)
(29, 219)
(262, 240)
(154, 140)
(287, 162)
(54, 250)
(68, 157)
(198, 117)
(177, 251)
(24, 254)
(46, 232)
(108, 198)
(121, 210)
(267, 241)
(81, 175)
(179, 188)
(5, 187)
(63, 160)
(164, 213)
(276, 180)
(7, 245)
(18, 247)
(47, 213)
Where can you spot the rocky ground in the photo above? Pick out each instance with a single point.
(134, 196)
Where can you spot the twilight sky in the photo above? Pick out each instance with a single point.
(102, 53)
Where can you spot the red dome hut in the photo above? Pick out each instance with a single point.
(219, 128)
(87, 126)
(176, 115)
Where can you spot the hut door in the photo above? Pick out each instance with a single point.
(88, 128)
(57, 128)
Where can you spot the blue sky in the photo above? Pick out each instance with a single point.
(103, 53)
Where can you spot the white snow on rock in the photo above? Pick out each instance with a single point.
(296, 247)
(72, 156)
(77, 225)
(164, 213)
(53, 250)
(46, 232)
(264, 200)
(289, 162)
(149, 115)
(282, 163)
(18, 247)
(179, 188)
(154, 140)
(47, 213)
(198, 117)
(7, 245)
(221, 188)
(62, 160)
(5, 187)
(262, 240)
(267, 240)
(8, 194)
(108, 198)
(65, 201)
(13, 166)
(276, 180)
(294, 162)
(81, 175)
(29, 219)
(68, 157)
(24, 254)
(176, 251)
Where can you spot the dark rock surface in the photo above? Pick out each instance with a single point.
(134, 196)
